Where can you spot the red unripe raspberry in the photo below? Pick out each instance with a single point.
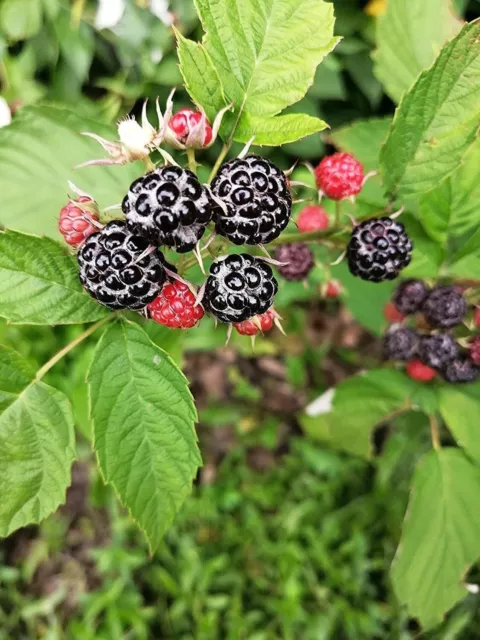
(420, 372)
(312, 218)
(476, 317)
(474, 348)
(339, 176)
(333, 289)
(392, 314)
(184, 121)
(249, 328)
(76, 224)
(175, 308)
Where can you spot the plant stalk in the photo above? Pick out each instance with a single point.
(220, 159)
(435, 432)
(63, 352)
(192, 162)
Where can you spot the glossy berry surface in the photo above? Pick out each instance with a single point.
(174, 307)
(378, 250)
(420, 372)
(239, 287)
(257, 203)
(438, 350)
(339, 176)
(75, 223)
(297, 261)
(312, 218)
(168, 206)
(111, 272)
(400, 343)
(461, 370)
(410, 295)
(184, 121)
(249, 328)
(445, 307)
(392, 314)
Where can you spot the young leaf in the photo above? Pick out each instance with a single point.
(460, 408)
(278, 130)
(37, 445)
(441, 535)
(200, 76)
(437, 120)
(360, 404)
(39, 283)
(143, 423)
(38, 152)
(265, 52)
(409, 37)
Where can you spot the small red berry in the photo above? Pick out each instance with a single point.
(76, 224)
(476, 317)
(420, 372)
(249, 328)
(333, 289)
(184, 121)
(175, 308)
(339, 176)
(392, 314)
(312, 218)
(474, 348)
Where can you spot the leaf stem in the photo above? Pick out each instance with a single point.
(192, 162)
(63, 352)
(434, 432)
(220, 159)
(300, 236)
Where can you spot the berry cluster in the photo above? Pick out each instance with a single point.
(436, 351)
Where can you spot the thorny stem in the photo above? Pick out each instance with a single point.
(434, 432)
(63, 352)
(192, 162)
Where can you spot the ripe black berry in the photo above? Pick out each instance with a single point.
(438, 350)
(298, 261)
(379, 249)
(445, 307)
(256, 199)
(400, 343)
(110, 273)
(410, 295)
(460, 371)
(169, 207)
(239, 287)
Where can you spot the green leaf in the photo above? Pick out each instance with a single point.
(21, 19)
(466, 261)
(279, 130)
(460, 408)
(201, 78)
(39, 283)
(437, 120)
(441, 535)
(38, 152)
(266, 51)
(37, 445)
(409, 37)
(143, 423)
(452, 208)
(359, 404)
(427, 256)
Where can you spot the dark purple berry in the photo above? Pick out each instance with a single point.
(257, 203)
(298, 261)
(438, 350)
(460, 371)
(378, 250)
(400, 343)
(410, 295)
(445, 307)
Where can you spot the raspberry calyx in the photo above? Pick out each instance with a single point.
(185, 121)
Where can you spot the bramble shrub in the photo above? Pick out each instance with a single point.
(149, 241)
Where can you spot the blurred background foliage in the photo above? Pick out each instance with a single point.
(282, 538)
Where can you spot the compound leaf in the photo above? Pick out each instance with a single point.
(143, 424)
(37, 444)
